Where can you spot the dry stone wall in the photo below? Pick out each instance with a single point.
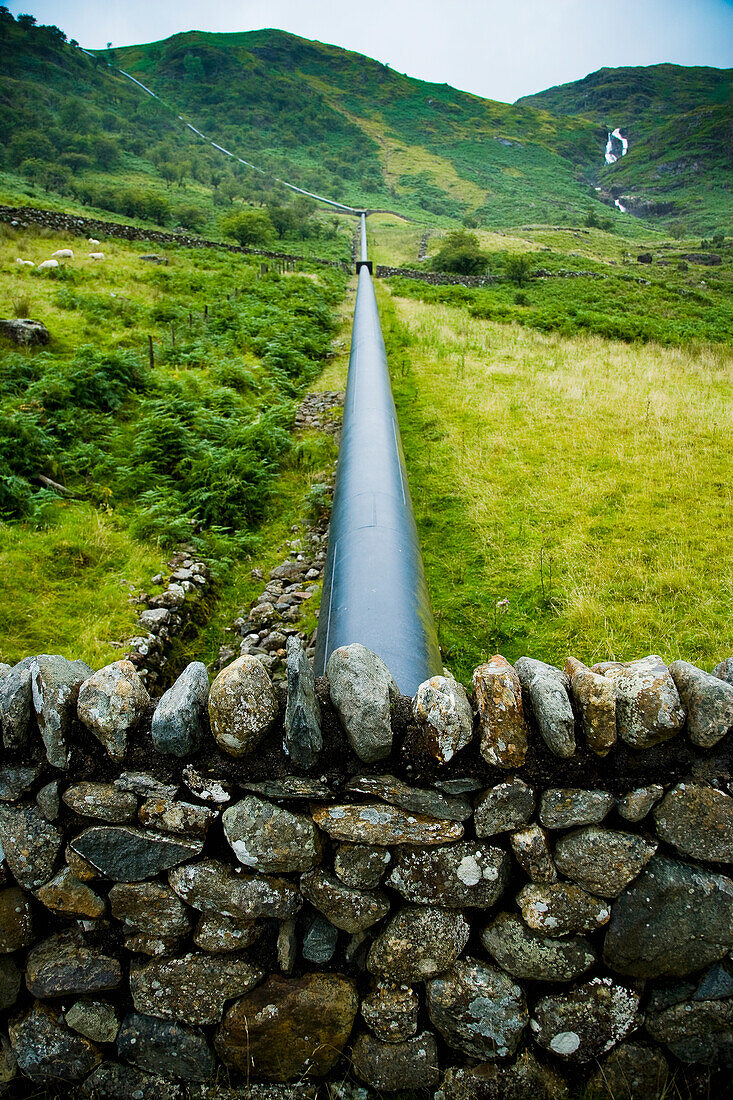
(521, 890)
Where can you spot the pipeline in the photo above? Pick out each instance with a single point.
(374, 590)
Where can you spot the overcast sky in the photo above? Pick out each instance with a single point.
(501, 49)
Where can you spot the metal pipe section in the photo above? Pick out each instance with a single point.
(364, 256)
(374, 589)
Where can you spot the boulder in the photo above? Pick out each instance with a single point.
(23, 331)
(602, 861)
(546, 689)
(530, 955)
(112, 1081)
(179, 722)
(697, 821)
(417, 943)
(153, 917)
(16, 920)
(361, 865)
(242, 706)
(595, 700)
(362, 690)
(95, 1020)
(16, 780)
(193, 988)
(9, 988)
(303, 739)
(444, 717)
(65, 964)
(48, 800)
(319, 942)
(395, 1067)
(708, 701)
(470, 874)
(381, 825)
(179, 818)
(55, 684)
(502, 725)
(631, 1070)
(531, 849)
(648, 707)
(671, 921)
(111, 704)
(30, 843)
(635, 805)
(47, 1050)
(417, 800)
(390, 1011)
(212, 886)
(221, 935)
(66, 895)
(724, 671)
(267, 838)
(566, 807)
(17, 715)
(101, 800)
(346, 908)
(165, 1047)
(131, 855)
(519, 1080)
(478, 1009)
(560, 909)
(587, 1021)
(696, 1031)
(289, 1028)
(502, 808)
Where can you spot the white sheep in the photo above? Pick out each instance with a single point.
(96, 255)
(64, 254)
(48, 263)
(93, 240)
(24, 263)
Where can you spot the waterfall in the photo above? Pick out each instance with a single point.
(616, 135)
(620, 205)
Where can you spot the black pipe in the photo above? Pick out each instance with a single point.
(374, 589)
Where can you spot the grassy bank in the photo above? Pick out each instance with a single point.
(584, 481)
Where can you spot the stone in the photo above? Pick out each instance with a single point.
(319, 941)
(707, 700)
(417, 943)
(724, 671)
(383, 825)
(390, 1011)
(648, 708)
(22, 331)
(291, 788)
(635, 805)
(362, 690)
(96, 1020)
(696, 1031)
(631, 1070)
(111, 703)
(79, 867)
(9, 986)
(208, 788)
(546, 689)
(65, 894)
(566, 807)
(145, 785)
(49, 801)
(101, 800)
(393, 1067)
(153, 910)
(17, 716)
(587, 1021)
(303, 739)
(478, 1009)
(672, 920)
(220, 935)
(112, 1081)
(179, 818)
(131, 855)
(65, 964)
(289, 1028)
(531, 849)
(287, 946)
(502, 725)
(193, 988)
(444, 717)
(697, 821)
(530, 955)
(47, 1050)
(469, 874)
(15, 780)
(416, 800)
(561, 909)
(179, 722)
(30, 843)
(242, 706)
(16, 920)
(165, 1047)
(518, 1080)
(602, 861)
(267, 838)
(361, 865)
(55, 684)
(210, 885)
(346, 908)
(502, 808)
(595, 699)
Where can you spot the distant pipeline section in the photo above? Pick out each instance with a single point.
(374, 590)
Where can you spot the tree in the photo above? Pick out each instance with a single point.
(248, 227)
(518, 267)
(106, 151)
(26, 21)
(460, 253)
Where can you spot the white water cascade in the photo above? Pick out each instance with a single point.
(611, 157)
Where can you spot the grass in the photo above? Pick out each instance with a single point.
(584, 480)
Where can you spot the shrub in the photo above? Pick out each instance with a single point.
(460, 253)
(249, 227)
(518, 267)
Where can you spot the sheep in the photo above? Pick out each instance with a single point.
(96, 255)
(93, 240)
(24, 263)
(64, 254)
(48, 263)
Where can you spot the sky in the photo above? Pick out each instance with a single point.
(500, 49)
